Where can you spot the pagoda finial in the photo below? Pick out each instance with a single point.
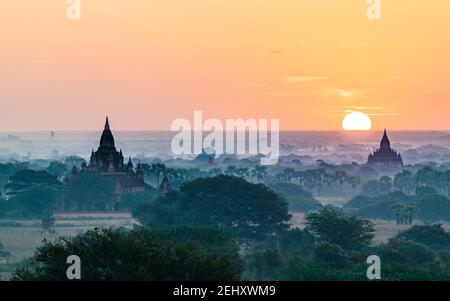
(107, 124)
(385, 143)
(107, 139)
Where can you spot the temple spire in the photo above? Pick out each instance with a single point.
(107, 139)
(385, 156)
(385, 143)
(107, 128)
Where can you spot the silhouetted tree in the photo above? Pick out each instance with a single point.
(251, 210)
(347, 232)
(109, 255)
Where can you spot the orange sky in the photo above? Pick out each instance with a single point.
(145, 63)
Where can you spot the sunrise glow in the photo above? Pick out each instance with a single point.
(357, 121)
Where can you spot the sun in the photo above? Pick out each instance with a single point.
(357, 121)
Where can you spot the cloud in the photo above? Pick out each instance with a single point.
(365, 108)
(301, 79)
(342, 93)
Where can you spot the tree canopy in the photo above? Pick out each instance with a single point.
(31, 194)
(433, 236)
(116, 255)
(251, 210)
(347, 232)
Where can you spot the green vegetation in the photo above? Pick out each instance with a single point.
(373, 188)
(3, 253)
(232, 222)
(144, 255)
(297, 198)
(347, 232)
(31, 194)
(426, 205)
(249, 210)
(57, 169)
(433, 236)
(131, 200)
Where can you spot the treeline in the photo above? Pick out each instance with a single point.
(35, 193)
(30, 193)
(333, 246)
(226, 228)
(423, 195)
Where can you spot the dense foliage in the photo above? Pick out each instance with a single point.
(347, 232)
(433, 236)
(110, 255)
(297, 198)
(250, 210)
(201, 229)
(31, 194)
(426, 205)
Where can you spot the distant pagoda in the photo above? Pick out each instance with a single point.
(385, 156)
(107, 161)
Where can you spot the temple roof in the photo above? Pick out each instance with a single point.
(107, 139)
(385, 143)
(385, 155)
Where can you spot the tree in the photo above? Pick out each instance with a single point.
(3, 253)
(35, 202)
(317, 271)
(432, 206)
(398, 251)
(250, 210)
(287, 175)
(296, 244)
(26, 179)
(405, 182)
(385, 185)
(231, 170)
(411, 211)
(404, 213)
(57, 169)
(31, 194)
(371, 188)
(90, 192)
(215, 172)
(214, 239)
(297, 198)
(331, 254)
(242, 172)
(427, 177)
(156, 170)
(111, 255)
(347, 232)
(375, 188)
(259, 172)
(354, 181)
(74, 161)
(9, 169)
(131, 200)
(263, 264)
(433, 236)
